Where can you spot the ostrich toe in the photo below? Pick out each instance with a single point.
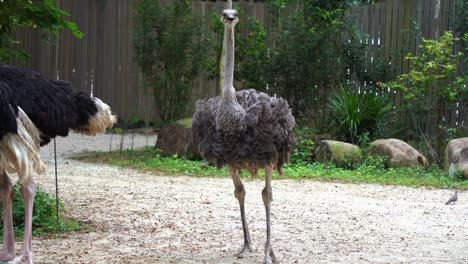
(245, 251)
(270, 257)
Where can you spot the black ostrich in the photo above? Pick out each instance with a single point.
(244, 130)
(34, 109)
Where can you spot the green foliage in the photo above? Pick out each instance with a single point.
(44, 214)
(370, 171)
(432, 71)
(430, 89)
(311, 53)
(450, 133)
(252, 56)
(459, 174)
(460, 21)
(305, 148)
(356, 114)
(151, 159)
(17, 14)
(171, 50)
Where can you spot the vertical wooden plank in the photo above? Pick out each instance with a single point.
(394, 31)
(387, 41)
(382, 28)
(374, 29)
(363, 23)
(406, 35)
(430, 20)
(444, 13)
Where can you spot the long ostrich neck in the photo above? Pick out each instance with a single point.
(228, 89)
(231, 116)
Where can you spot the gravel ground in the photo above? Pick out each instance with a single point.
(137, 217)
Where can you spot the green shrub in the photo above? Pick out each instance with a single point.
(354, 114)
(19, 14)
(308, 57)
(171, 49)
(430, 89)
(305, 148)
(44, 214)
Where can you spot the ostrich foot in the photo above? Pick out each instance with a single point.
(5, 257)
(22, 259)
(246, 249)
(270, 257)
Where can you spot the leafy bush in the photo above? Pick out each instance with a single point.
(305, 148)
(430, 89)
(356, 114)
(16, 14)
(314, 49)
(44, 214)
(171, 50)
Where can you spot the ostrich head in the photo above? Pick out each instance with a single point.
(229, 17)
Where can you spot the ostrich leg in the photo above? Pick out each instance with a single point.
(6, 194)
(239, 192)
(267, 198)
(27, 192)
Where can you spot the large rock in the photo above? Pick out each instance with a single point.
(399, 153)
(340, 153)
(456, 156)
(176, 138)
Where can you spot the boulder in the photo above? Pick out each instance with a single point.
(176, 138)
(456, 157)
(340, 153)
(399, 153)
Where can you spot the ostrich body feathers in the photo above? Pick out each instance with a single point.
(52, 105)
(264, 137)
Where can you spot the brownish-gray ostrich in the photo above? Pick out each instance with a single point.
(244, 130)
(34, 109)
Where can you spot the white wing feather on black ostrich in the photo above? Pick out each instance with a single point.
(268, 135)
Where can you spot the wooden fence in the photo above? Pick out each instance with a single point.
(102, 62)
(394, 28)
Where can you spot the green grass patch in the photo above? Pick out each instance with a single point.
(44, 216)
(370, 171)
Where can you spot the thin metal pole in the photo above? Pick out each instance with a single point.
(56, 184)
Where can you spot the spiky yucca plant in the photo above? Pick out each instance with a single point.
(354, 113)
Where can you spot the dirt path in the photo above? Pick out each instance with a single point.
(142, 218)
